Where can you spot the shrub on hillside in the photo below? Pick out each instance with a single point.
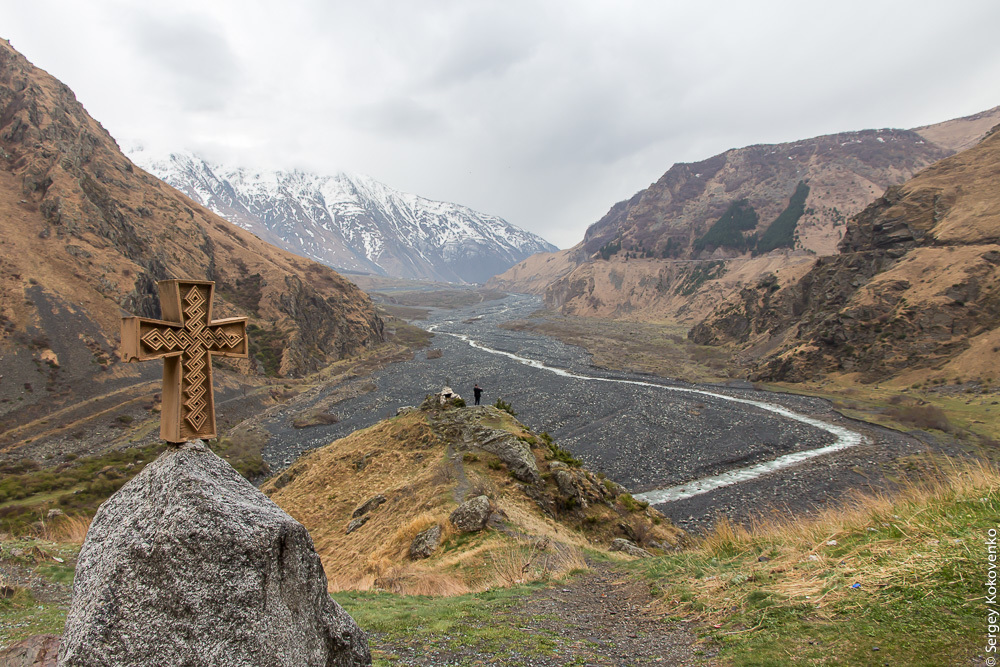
(921, 416)
(505, 406)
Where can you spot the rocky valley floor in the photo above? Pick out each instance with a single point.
(642, 431)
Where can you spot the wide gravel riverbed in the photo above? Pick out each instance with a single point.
(694, 451)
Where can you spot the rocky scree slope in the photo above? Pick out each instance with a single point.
(350, 221)
(793, 198)
(372, 500)
(914, 292)
(84, 236)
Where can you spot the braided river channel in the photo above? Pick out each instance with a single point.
(693, 451)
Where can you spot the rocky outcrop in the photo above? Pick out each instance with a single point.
(748, 315)
(917, 279)
(471, 434)
(514, 453)
(419, 462)
(369, 505)
(357, 523)
(472, 515)
(35, 651)
(188, 563)
(425, 543)
(582, 488)
(630, 548)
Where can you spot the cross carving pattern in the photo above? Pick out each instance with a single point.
(186, 341)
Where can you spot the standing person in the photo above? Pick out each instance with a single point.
(477, 392)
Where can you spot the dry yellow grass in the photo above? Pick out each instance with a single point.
(408, 462)
(72, 529)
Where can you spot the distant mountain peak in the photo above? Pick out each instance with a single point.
(350, 221)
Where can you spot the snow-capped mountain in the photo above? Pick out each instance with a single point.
(349, 221)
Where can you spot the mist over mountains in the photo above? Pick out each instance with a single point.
(349, 221)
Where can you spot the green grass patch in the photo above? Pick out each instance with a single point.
(445, 624)
(27, 490)
(23, 616)
(882, 580)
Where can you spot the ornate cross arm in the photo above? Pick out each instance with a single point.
(186, 341)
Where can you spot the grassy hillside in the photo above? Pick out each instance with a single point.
(881, 580)
(890, 579)
(425, 463)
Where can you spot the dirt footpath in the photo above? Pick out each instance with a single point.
(598, 618)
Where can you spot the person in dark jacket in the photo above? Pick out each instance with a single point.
(477, 392)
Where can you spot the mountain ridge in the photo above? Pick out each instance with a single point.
(351, 221)
(645, 253)
(914, 292)
(86, 236)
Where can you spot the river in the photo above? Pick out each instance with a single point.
(693, 451)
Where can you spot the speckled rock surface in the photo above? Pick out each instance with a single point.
(189, 564)
(473, 435)
(472, 515)
(426, 543)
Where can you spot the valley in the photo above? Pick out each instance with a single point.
(752, 416)
(642, 431)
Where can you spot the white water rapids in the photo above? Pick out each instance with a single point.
(846, 438)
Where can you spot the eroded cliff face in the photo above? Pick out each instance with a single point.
(844, 172)
(85, 235)
(915, 290)
(726, 210)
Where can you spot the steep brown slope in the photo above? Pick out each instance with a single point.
(534, 274)
(84, 236)
(914, 293)
(961, 133)
(667, 225)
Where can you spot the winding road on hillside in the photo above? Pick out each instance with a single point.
(693, 451)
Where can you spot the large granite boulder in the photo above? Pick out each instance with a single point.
(189, 564)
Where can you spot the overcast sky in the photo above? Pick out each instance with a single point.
(545, 113)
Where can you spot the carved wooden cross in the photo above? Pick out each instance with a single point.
(185, 339)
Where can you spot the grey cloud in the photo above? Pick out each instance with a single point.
(544, 112)
(485, 45)
(194, 56)
(400, 117)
